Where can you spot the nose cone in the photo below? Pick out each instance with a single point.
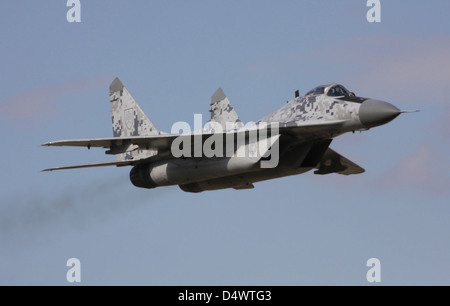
(375, 112)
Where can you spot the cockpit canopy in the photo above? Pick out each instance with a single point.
(332, 90)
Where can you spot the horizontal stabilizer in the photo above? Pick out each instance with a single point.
(115, 163)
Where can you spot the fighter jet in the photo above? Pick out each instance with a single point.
(228, 154)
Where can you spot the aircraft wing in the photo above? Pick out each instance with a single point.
(164, 141)
(159, 147)
(150, 142)
(333, 162)
(161, 144)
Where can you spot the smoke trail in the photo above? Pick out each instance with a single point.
(74, 208)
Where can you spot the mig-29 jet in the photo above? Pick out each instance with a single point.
(226, 154)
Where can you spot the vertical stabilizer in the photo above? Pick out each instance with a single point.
(128, 119)
(222, 112)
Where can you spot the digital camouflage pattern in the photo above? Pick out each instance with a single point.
(305, 127)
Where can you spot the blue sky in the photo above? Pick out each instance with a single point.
(172, 56)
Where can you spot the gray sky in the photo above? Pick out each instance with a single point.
(172, 56)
